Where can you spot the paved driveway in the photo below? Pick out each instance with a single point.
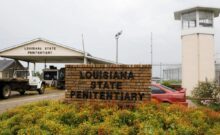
(16, 99)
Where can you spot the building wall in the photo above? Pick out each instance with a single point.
(189, 62)
(197, 60)
(207, 60)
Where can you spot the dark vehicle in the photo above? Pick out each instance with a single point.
(61, 79)
(55, 77)
(50, 76)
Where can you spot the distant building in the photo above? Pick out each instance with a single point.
(7, 68)
(156, 79)
(172, 74)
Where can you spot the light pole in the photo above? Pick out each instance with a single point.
(116, 38)
(151, 47)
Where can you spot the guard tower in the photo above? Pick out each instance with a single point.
(198, 63)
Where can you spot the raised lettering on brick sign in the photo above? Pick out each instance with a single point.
(111, 83)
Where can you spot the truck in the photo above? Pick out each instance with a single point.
(50, 77)
(54, 77)
(22, 80)
(61, 79)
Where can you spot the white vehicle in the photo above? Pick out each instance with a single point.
(23, 80)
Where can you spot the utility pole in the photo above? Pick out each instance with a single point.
(160, 72)
(116, 51)
(85, 59)
(83, 44)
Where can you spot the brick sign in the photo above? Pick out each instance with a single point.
(108, 83)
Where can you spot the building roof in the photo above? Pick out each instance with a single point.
(34, 51)
(5, 63)
(177, 14)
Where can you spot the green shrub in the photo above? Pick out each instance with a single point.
(69, 118)
(208, 94)
(50, 117)
(123, 117)
(215, 106)
(167, 83)
(84, 129)
(206, 90)
(174, 84)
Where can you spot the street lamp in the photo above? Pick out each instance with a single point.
(116, 38)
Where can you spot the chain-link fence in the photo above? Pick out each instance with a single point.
(217, 73)
(162, 72)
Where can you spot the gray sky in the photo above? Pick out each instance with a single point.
(64, 21)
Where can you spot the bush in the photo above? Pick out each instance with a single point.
(174, 84)
(50, 117)
(208, 94)
(206, 90)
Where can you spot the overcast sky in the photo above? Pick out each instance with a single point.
(63, 21)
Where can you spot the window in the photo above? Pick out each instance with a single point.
(50, 75)
(22, 73)
(156, 90)
(205, 19)
(189, 20)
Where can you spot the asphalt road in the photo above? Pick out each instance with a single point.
(16, 99)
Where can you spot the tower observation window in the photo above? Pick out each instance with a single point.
(189, 20)
(205, 19)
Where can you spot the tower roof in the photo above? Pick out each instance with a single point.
(177, 14)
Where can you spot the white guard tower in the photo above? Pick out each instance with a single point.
(198, 62)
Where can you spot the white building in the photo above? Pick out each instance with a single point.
(44, 51)
(197, 45)
(172, 74)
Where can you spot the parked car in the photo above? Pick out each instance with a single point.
(165, 94)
